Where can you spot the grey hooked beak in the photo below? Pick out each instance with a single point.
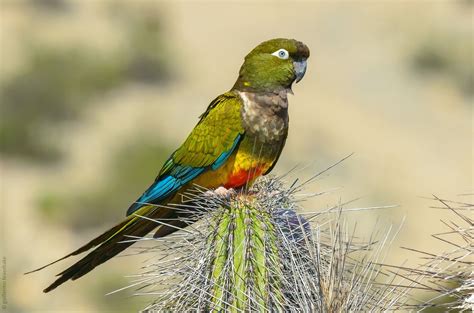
(299, 68)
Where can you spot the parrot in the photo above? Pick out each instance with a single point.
(238, 138)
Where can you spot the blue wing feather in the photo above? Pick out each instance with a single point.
(225, 155)
(175, 176)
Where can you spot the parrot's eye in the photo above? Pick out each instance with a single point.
(282, 54)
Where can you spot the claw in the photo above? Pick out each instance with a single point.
(221, 192)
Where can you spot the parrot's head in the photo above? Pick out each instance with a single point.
(273, 65)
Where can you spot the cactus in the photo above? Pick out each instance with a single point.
(447, 279)
(252, 251)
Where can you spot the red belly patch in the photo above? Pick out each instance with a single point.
(241, 177)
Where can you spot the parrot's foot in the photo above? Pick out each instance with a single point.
(221, 192)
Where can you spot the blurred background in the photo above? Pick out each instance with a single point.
(96, 94)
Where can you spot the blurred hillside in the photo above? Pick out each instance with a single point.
(96, 94)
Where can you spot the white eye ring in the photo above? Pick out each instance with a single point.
(282, 54)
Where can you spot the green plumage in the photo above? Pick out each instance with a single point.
(215, 133)
(263, 72)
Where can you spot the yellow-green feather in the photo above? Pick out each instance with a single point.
(215, 133)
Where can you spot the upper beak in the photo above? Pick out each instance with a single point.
(300, 69)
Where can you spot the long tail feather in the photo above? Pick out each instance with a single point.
(110, 243)
(139, 227)
(91, 244)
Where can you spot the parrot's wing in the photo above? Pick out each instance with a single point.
(217, 134)
(211, 142)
